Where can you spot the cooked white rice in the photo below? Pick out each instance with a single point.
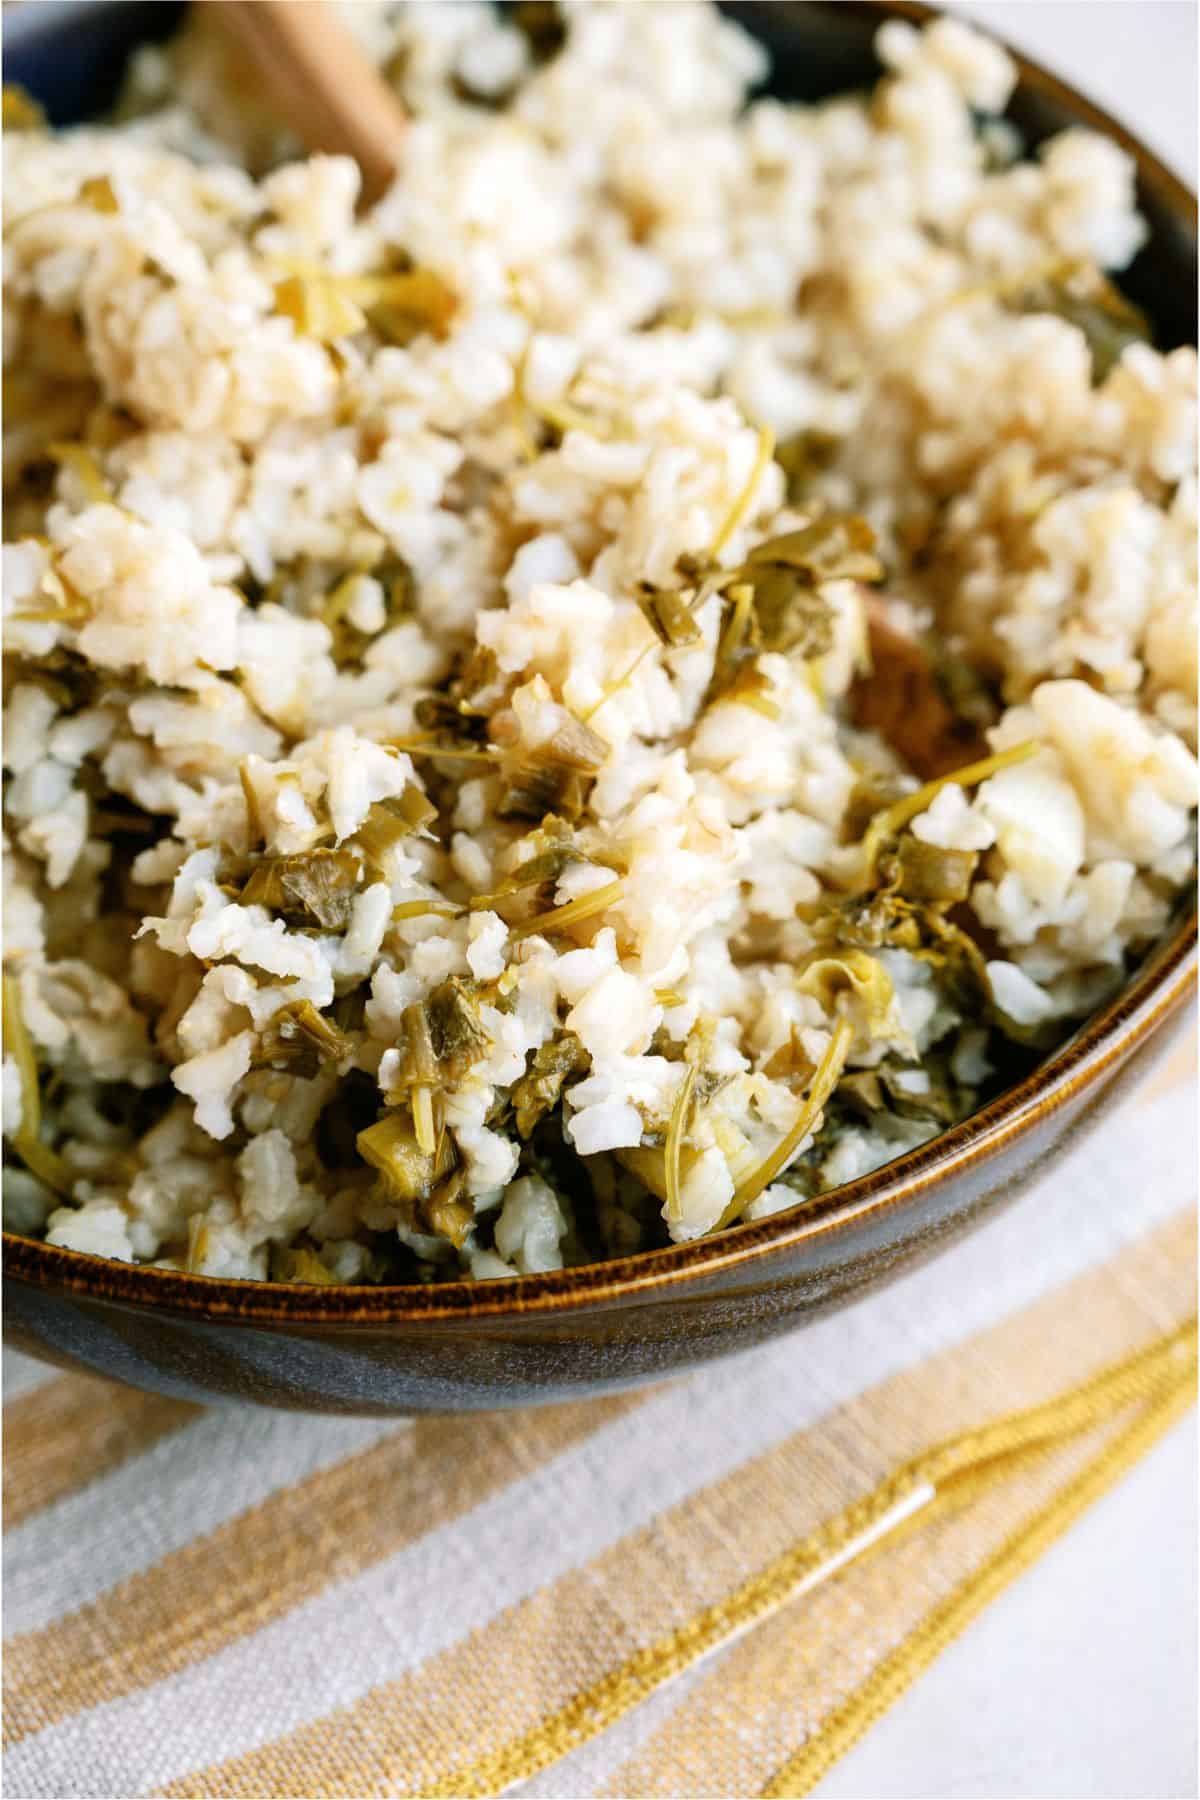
(357, 561)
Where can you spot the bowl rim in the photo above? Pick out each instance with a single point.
(1140, 1010)
(1145, 1003)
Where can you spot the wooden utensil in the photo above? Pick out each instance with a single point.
(320, 80)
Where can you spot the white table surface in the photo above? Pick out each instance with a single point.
(1136, 58)
(1081, 1680)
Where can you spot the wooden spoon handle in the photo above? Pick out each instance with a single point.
(321, 81)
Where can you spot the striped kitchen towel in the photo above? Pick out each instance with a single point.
(712, 1587)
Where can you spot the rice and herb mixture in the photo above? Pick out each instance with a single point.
(626, 686)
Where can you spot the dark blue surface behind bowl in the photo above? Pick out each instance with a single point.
(73, 63)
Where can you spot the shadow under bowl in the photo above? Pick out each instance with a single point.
(466, 1345)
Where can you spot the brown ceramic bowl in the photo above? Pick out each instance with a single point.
(581, 1331)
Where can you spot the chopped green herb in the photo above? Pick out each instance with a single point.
(886, 824)
(534, 789)
(311, 887)
(790, 617)
(349, 643)
(38, 1158)
(419, 909)
(863, 1090)
(21, 112)
(424, 1123)
(826, 976)
(402, 306)
(302, 1038)
(937, 1098)
(587, 906)
(824, 1081)
(390, 821)
(575, 745)
(741, 506)
(409, 1173)
(62, 604)
(750, 687)
(82, 462)
(886, 919)
(254, 819)
(540, 1089)
(835, 546)
(555, 776)
(535, 871)
(676, 1133)
(445, 1214)
(927, 872)
(668, 616)
(300, 1265)
(319, 307)
(444, 752)
(458, 1035)
(418, 1063)
(99, 194)
(803, 456)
